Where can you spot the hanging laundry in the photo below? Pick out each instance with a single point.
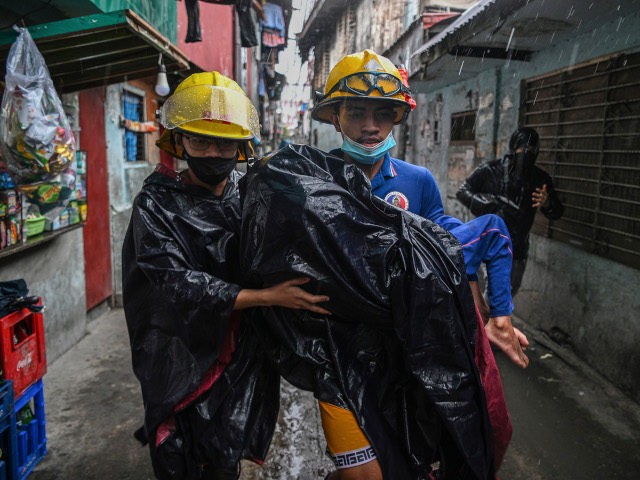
(247, 23)
(194, 34)
(273, 18)
(273, 28)
(274, 83)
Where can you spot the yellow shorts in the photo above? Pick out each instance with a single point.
(347, 445)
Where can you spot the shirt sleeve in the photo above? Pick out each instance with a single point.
(431, 207)
(473, 195)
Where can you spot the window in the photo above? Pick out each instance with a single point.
(135, 142)
(588, 119)
(463, 127)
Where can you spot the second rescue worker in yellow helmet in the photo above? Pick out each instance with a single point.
(205, 409)
(365, 96)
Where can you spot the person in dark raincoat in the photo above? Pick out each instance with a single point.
(210, 395)
(514, 188)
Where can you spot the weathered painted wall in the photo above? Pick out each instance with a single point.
(55, 272)
(588, 301)
(125, 180)
(429, 130)
(215, 51)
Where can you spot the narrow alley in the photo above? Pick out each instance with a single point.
(568, 422)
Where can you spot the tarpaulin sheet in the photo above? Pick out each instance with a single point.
(398, 349)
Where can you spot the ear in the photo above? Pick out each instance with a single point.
(335, 122)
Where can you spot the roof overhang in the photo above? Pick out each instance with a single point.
(101, 49)
(493, 32)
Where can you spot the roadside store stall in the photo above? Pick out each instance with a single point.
(43, 190)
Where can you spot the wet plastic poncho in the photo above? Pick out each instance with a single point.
(399, 348)
(179, 287)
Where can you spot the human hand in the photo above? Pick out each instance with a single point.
(288, 294)
(540, 197)
(509, 339)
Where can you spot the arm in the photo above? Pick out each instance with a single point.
(486, 239)
(286, 294)
(472, 196)
(432, 207)
(500, 331)
(163, 259)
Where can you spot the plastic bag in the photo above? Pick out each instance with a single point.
(36, 138)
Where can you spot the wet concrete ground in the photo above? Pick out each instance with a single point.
(569, 424)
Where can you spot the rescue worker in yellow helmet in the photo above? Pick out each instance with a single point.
(210, 397)
(365, 96)
(209, 122)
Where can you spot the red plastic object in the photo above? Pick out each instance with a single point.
(22, 355)
(429, 19)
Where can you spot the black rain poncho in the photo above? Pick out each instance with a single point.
(399, 348)
(179, 287)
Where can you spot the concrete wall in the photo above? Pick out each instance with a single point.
(54, 271)
(587, 302)
(581, 299)
(125, 179)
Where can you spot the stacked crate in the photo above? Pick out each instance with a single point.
(8, 432)
(23, 363)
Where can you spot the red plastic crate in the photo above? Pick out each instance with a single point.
(22, 354)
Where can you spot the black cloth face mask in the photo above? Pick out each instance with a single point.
(211, 170)
(524, 166)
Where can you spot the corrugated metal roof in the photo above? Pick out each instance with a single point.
(493, 32)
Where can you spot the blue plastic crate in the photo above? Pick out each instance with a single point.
(6, 399)
(31, 439)
(8, 433)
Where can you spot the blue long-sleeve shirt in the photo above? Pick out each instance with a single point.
(484, 239)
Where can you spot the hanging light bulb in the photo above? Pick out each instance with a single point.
(162, 85)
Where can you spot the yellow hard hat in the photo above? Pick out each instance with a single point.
(363, 75)
(208, 104)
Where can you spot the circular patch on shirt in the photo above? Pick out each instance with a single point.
(397, 199)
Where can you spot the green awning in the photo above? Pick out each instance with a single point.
(99, 49)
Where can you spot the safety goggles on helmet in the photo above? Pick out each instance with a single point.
(363, 83)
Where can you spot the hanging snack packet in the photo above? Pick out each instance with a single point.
(35, 135)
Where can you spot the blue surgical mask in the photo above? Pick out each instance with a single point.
(367, 155)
